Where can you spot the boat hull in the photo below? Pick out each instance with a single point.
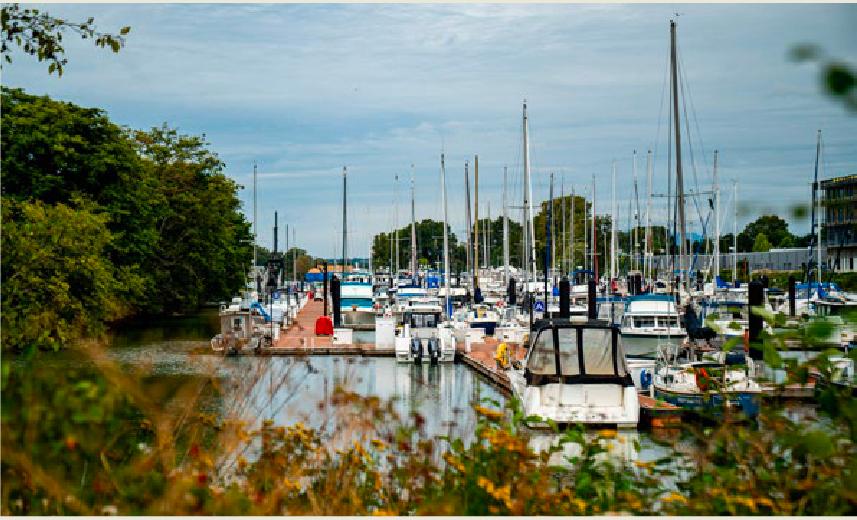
(748, 403)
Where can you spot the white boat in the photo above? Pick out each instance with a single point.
(648, 320)
(509, 329)
(576, 373)
(244, 328)
(357, 300)
(423, 336)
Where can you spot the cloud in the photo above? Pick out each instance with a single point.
(304, 89)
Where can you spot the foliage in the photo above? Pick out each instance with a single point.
(57, 284)
(170, 234)
(837, 78)
(39, 34)
(761, 244)
(429, 234)
(775, 229)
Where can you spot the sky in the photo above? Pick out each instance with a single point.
(305, 89)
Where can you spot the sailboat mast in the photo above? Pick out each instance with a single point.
(467, 234)
(487, 234)
(549, 243)
(636, 221)
(255, 232)
(572, 267)
(734, 231)
(344, 221)
(716, 219)
(649, 244)
(505, 233)
(563, 262)
(476, 222)
(396, 239)
(413, 229)
(445, 236)
(593, 237)
(615, 212)
(679, 180)
(814, 242)
(528, 202)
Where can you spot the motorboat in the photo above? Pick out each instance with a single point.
(648, 320)
(357, 300)
(423, 335)
(720, 380)
(245, 327)
(575, 373)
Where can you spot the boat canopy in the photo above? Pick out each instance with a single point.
(568, 352)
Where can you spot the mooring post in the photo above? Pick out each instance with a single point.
(334, 290)
(324, 284)
(755, 294)
(590, 289)
(564, 298)
(791, 296)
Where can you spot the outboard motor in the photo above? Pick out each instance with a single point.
(416, 350)
(434, 350)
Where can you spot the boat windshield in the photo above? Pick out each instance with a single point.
(575, 352)
(426, 320)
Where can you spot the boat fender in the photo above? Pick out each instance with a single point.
(645, 379)
(702, 379)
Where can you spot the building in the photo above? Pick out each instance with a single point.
(840, 222)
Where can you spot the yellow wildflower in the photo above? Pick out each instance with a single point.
(379, 444)
(607, 434)
(675, 497)
(493, 415)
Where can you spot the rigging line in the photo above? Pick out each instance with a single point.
(660, 113)
(687, 128)
(696, 123)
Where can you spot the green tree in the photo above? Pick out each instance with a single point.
(39, 34)
(57, 283)
(775, 229)
(761, 244)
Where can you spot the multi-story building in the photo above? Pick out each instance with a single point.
(840, 222)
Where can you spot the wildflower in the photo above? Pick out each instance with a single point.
(379, 444)
(607, 434)
(492, 415)
(70, 443)
(675, 497)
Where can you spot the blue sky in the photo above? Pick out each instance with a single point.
(304, 89)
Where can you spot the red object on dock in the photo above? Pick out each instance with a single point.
(324, 326)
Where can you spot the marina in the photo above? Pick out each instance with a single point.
(447, 260)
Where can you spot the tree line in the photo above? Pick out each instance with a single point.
(102, 222)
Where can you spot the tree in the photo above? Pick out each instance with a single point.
(775, 229)
(761, 244)
(57, 283)
(39, 34)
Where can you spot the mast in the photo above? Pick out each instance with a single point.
(613, 263)
(549, 243)
(649, 245)
(530, 234)
(487, 235)
(564, 236)
(735, 232)
(467, 234)
(413, 230)
(636, 221)
(593, 237)
(476, 222)
(396, 239)
(344, 221)
(505, 233)
(255, 232)
(286, 267)
(445, 236)
(815, 241)
(679, 180)
(294, 255)
(571, 225)
(716, 219)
